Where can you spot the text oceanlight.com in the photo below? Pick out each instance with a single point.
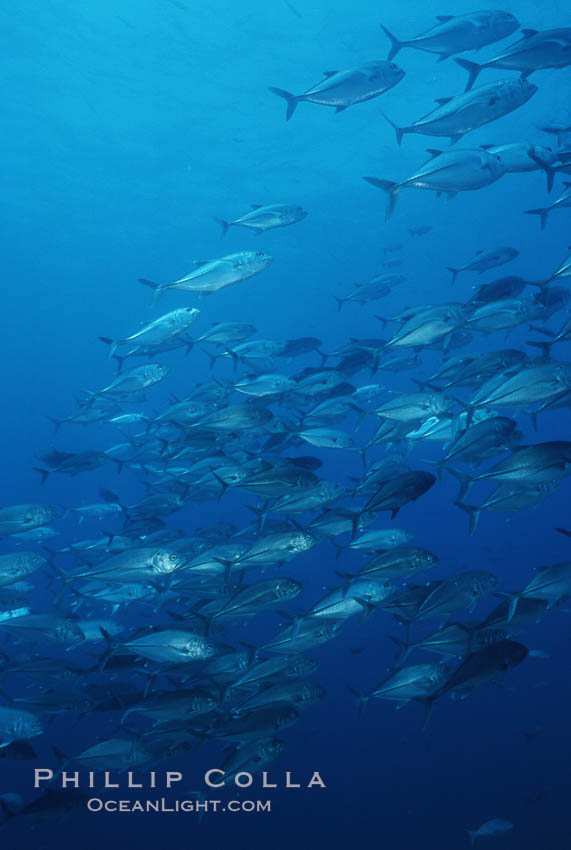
(163, 806)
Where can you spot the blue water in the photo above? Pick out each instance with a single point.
(127, 127)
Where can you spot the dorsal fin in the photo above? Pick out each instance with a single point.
(433, 151)
(444, 18)
(328, 74)
(255, 206)
(442, 100)
(201, 262)
(527, 33)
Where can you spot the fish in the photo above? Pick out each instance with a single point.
(509, 286)
(19, 519)
(304, 634)
(355, 597)
(399, 562)
(258, 722)
(508, 499)
(255, 598)
(521, 157)
(398, 492)
(341, 89)
(167, 646)
(534, 51)
(420, 230)
(113, 754)
(252, 757)
(265, 385)
(485, 260)
(490, 829)
(552, 583)
(381, 538)
(446, 171)
(71, 463)
(299, 693)
(416, 682)
(530, 385)
(455, 640)
(158, 331)
(458, 33)
(483, 439)
(462, 591)
(265, 217)
(541, 463)
(17, 725)
(562, 202)
(132, 382)
(213, 275)
(17, 566)
(377, 287)
(410, 407)
(485, 664)
(458, 115)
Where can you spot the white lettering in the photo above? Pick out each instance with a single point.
(210, 773)
(42, 775)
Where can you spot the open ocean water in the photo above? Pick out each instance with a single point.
(129, 126)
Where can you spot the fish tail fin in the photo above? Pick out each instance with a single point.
(120, 360)
(57, 422)
(45, 473)
(549, 174)
(440, 467)
(6, 811)
(473, 514)
(469, 408)
(545, 346)
(290, 98)
(235, 359)
(368, 607)
(388, 186)
(221, 481)
(157, 287)
(513, 599)
(473, 69)
(112, 345)
(542, 212)
(428, 703)
(340, 302)
(399, 131)
(261, 513)
(224, 225)
(465, 482)
(549, 169)
(62, 758)
(212, 357)
(362, 699)
(396, 45)
(454, 273)
(340, 549)
(404, 647)
(471, 836)
(112, 646)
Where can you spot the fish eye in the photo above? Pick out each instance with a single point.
(172, 558)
